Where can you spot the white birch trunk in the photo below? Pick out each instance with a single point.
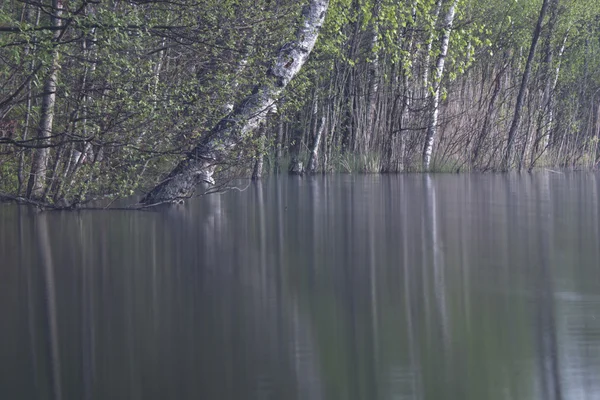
(374, 86)
(436, 14)
(439, 72)
(548, 135)
(314, 154)
(257, 172)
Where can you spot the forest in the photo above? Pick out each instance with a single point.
(114, 98)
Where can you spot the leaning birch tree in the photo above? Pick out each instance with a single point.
(199, 165)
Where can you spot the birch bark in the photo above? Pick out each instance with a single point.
(200, 164)
(439, 72)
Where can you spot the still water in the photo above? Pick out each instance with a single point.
(439, 287)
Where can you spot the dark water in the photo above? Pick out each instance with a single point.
(475, 287)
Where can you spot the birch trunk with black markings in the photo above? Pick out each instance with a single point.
(439, 73)
(200, 164)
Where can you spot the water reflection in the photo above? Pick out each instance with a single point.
(375, 287)
(49, 294)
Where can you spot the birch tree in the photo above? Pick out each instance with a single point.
(37, 178)
(199, 164)
(439, 73)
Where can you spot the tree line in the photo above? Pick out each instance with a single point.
(104, 99)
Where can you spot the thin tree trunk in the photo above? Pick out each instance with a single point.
(531, 106)
(25, 136)
(432, 126)
(314, 154)
(436, 14)
(545, 114)
(549, 139)
(199, 165)
(296, 166)
(278, 145)
(396, 162)
(374, 76)
(37, 179)
(524, 82)
(487, 122)
(257, 172)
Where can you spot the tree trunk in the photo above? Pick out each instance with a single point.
(37, 179)
(514, 127)
(199, 165)
(439, 71)
(28, 49)
(278, 146)
(374, 78)
(546, 77)
(549, 140)
(436, 14)
(296, 166)
(314, 154)
(257, 172)
(487, 121)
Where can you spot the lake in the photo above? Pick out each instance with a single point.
(342, 287)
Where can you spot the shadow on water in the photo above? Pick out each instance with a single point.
(345, 287)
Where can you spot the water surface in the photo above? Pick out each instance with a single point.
(343, 287)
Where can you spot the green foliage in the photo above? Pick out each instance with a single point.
(141, 83)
